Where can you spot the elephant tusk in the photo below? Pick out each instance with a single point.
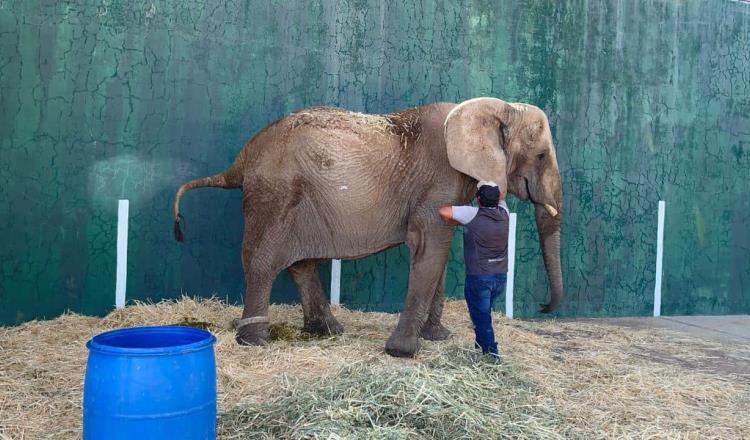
(552, 211)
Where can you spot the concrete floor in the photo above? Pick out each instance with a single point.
(729, 336)
(731, 328)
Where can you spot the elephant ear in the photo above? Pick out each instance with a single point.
(474, 139)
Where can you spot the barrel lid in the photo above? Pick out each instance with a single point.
(151, 341)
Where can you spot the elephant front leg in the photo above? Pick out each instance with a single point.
(429, 254)
(433, 329)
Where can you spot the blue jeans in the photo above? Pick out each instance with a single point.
(480, 292)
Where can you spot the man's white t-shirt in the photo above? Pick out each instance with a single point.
(465, 214)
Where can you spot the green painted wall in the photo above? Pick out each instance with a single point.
(102, 100)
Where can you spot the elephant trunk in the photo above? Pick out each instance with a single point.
(549, 240)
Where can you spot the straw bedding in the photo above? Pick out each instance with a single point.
(558, 379)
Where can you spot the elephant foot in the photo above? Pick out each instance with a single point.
(323, 327)
(435, 332)
(253, 334)
(399, 345)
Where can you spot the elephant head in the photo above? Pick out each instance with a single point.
(511, 144)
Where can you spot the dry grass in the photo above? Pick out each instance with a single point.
(559, 379)
(458, 395)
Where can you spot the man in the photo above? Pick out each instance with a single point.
(485, 256)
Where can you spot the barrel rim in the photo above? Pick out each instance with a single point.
(95, 344)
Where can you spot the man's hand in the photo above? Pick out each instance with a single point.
(446, 213)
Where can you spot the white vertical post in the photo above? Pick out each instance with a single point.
(659, 255)
(122, 253)
(335, 281)
(511, 266)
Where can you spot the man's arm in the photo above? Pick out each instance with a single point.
(446, 213)
(457, 215)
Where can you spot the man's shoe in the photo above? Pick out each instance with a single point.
(492, 358)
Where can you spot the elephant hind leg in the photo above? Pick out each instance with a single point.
(258, 285)
(318, 317)
(263, 257)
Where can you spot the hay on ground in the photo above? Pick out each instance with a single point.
(558, 379)
(459, 395)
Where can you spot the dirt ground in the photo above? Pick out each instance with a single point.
(604, 380)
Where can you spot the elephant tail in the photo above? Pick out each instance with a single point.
(231, 178)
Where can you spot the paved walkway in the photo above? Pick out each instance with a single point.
(730, 328)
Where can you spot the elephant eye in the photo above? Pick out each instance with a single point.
(540, 156)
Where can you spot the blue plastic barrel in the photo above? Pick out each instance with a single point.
(150, 383)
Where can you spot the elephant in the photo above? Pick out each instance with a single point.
(324, 183)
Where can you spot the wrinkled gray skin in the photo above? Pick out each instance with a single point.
(326, 183)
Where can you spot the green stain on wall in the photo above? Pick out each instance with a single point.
(647, 101)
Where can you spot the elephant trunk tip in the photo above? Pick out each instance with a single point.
(545, 308)
(550, 307)
(177, 230)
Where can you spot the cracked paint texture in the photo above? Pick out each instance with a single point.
(648, 100)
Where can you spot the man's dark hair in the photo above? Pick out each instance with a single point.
(489, 196)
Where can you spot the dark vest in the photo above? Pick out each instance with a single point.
(486, 242)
